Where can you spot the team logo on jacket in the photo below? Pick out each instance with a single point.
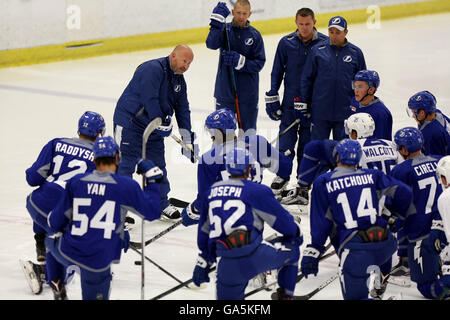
(177, 88)
(347, 59)
(248, 41)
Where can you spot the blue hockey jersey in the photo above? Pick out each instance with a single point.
(346, 200)
(239, 204)
(288, 63)
(419, 173)
(380, 114)
(436, 135)
(91, 215)
(154, 91)
(248, 42)
(59, 160)
(326, 81)
(212, 168)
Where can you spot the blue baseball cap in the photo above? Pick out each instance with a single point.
(338, 22)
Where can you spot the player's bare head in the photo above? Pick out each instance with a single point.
(241, 12)
(181, 58)
(305, 21)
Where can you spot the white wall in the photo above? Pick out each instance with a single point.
(30, 23)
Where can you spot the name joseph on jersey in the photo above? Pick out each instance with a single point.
(74, 151)
(225, 191)
(350, 181)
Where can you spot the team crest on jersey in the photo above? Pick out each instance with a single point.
(177, 88)
(248, 41)
(347, 58)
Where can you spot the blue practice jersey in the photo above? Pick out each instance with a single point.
(436, 135)
(212, 167)
(92, 213)
(59, 160)
(154, 91)
(379, 154)
(346, 200)
(380, 114)
(248, 42)
(318, 158)
(239, 204)
(419, 173)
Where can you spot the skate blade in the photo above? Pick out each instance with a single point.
(30, 276)
(401, 281)
(193, 286)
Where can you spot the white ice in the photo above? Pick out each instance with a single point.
(40, 102)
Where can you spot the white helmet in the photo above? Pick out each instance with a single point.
(362, 123)
(443, 169)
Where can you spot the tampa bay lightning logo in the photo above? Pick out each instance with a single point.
(177, 88)
(419, 98)
(248, 41)
(336, 21)
(216, 117)
(347, 58)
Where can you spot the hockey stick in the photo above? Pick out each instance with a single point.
(138, 245)
(147, 132)
(299, 276)
(282, 133)
(175, 202)
(184, 145)
(184, 284)
(233, 80)
(156, 265)
(319, 288)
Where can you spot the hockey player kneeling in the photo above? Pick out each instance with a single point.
(345, 206)
(91, 220)
(231, 225)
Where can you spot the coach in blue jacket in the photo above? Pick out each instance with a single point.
(157, 89)
(326, 81)
(240, 60)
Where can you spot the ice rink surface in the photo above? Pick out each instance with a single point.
(41, 102)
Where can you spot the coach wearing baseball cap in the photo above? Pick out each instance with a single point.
(326, 81)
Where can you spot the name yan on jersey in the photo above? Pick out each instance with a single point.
(349, 181)
(74, 151)
(96, 189)
(225, 191)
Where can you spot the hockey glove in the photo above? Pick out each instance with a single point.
(273, 107)
(310, 261)
(219, 15)
(151, 172)
(201, 271)
(301, 112)
(190, 215)
(192, 152)
(437, 239)
(445, 278)
(165, 129)
(233, 59)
